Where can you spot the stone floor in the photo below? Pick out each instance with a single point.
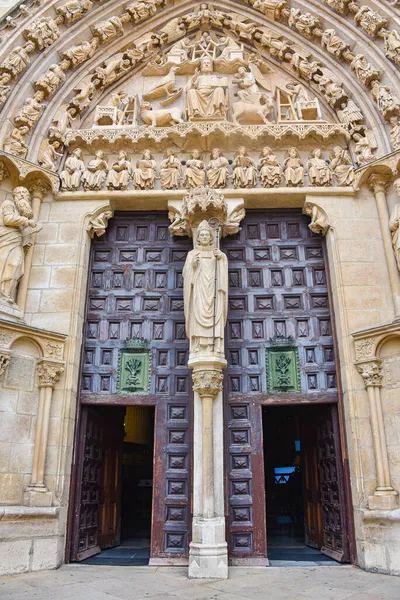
(86, 582)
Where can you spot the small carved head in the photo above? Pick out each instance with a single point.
(266, 151)
(122, 155)
(147, 155)
(242, 151)
(204, 234)
(99, 154)
(206, 65)
(77, 153)
(196, 154)
(22, 199)
(170, 152)
(292, 153)
(317, 153)
(215, 153)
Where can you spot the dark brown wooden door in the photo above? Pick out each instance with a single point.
(277, 287)
(335, 537)
(109, 533)
(136, 290)
(313, 535)
(88, 481)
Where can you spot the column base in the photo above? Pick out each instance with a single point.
(208, 554)
(384, 500)
(37, 496)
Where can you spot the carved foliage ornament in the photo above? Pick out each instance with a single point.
(207, 383)
(371, 372)
(49, 373)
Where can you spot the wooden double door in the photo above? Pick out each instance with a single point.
(277, 288)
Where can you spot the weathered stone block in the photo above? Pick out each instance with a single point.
(14, 556)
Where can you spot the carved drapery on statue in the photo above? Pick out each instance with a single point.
(16, 227)
(205, 277)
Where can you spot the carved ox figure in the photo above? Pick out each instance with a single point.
(160, 117)
(247, 113)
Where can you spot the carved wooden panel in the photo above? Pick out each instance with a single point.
(135, 290)
(277, 288)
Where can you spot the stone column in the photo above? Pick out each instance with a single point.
(378, 183)
(37, 494)
(37, 190)
(208, 555)
(385, 497)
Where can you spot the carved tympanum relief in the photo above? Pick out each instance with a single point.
(197, 169)
(210, 53)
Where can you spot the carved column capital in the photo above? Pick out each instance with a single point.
(371, 372)
(49, 373)
(4, 361)
(208, 382)
(378, 182)
(38, 188)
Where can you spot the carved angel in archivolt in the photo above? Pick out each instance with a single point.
(365, 144)
(73, 10)
(48, 155)
(392, 45)
(30, 112)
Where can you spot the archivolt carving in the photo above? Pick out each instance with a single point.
(43, 32)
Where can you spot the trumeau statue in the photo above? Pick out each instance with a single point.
(120, 172)
(16, 226)
(244, 171)
(269, 169)
(217, 170)
(195, 175)
(319, 172)
(72, 173)
(342, 166)
(205, 277)
(205, 96)
(145, 173)
(170, 172)
(294, 170)
(95, 173)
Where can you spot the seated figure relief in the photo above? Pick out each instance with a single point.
(205, 94)
(191, 171)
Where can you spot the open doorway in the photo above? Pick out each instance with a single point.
(114, 484)
(304, 494)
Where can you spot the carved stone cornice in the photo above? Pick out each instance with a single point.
(49, 373)
(208, 382)
(371, 372)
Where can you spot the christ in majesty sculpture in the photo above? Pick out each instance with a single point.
(205, 284)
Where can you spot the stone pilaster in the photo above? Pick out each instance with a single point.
(48, 372)
(384, 497)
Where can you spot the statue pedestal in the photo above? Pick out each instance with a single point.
(10, 312)
(208, 554)
(384, 500)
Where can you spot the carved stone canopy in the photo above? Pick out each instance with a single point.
(204, 203)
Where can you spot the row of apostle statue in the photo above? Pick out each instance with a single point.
(243, 171)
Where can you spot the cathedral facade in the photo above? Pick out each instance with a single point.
(199, 282)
